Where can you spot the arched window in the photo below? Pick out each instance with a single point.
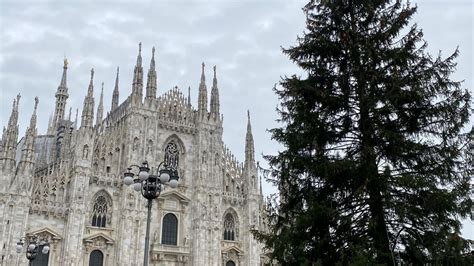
(229, 227)
(169, 233)
(230, 263)
(100, 210)
(40, 259)
(172, 155)
(96, 258)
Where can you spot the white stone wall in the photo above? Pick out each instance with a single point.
(199, 203)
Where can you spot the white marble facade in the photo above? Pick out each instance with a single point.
(66, 185)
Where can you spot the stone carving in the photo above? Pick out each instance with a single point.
(69, 178)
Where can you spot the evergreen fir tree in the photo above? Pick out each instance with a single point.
(373, 165)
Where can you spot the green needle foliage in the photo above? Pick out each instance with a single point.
(374, 165)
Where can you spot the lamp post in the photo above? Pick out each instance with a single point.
(150, 185)
(34, 247)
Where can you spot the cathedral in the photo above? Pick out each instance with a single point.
(66, 186)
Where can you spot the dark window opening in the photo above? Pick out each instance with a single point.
(96, 258)
(169, 234)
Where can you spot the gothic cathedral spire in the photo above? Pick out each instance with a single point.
(250, 168)
(10, 139)
(215, 97)
(151, 82)
(115, 95)
(88, 107)
(249, 146)
(137, 86)
(202, 98)
(100, 107)
(27, 161)
(61, 98)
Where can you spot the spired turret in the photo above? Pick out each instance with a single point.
(250, 169)
(115, 95)
(10, 140)
(88, 107)
(137, 85)
(24, 173)
(215, 106)
(100, 107)
(61, 99)
(151, 82)
(202, 98)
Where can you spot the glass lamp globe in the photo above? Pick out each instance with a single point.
(137, 186)
(164, 177)
(128, 180)
(173, 183)
(143, 175)
(19, 248)
(31, 247)
(45, 250)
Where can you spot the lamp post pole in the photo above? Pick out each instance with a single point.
(147, 236)
(150, 186)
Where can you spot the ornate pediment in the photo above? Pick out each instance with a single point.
(46, 233)
(99, 238)
(174, 194)
(233, 250)
(233, 253)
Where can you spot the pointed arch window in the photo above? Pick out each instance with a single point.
(172, 155)
(100, 211)
(229, 227)
(230, 263)
(169, 233)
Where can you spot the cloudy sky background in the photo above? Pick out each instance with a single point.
(243, 38)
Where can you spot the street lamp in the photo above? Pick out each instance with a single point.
(33, 248)
(150, 185)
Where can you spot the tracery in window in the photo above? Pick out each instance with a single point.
(229, 227)
(172, 155)
(100, 211)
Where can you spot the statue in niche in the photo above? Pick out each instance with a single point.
(85, 152)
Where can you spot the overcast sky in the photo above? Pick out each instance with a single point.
(243, 38)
